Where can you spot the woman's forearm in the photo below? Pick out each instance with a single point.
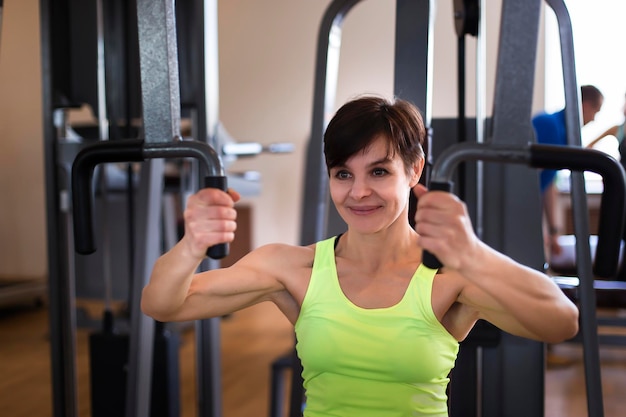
(169, 283)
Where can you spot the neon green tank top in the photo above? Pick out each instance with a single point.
(383, 362)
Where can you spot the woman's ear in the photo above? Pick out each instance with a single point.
(418, 168)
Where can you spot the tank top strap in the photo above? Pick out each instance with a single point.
(420, 293)
(324, 268)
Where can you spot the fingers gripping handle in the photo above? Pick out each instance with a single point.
(428, 259)
(220, 250)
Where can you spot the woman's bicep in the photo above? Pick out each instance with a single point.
(223, 291)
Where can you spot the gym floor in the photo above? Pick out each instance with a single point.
(251, 340)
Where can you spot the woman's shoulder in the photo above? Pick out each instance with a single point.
(292, 266)
(285, 254)
(270, 248)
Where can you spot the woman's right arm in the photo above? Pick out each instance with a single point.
(176, 292)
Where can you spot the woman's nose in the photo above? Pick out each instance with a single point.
(360, 188)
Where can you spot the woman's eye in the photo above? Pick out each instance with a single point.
(342, 175)
(379, 172)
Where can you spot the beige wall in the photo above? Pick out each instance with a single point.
(267, 54)
(22, 204)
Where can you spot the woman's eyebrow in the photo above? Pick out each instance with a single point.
(382, 161)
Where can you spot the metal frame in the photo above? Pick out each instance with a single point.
(316, 204)
(510, 385)
(60, 285)
(588, 320)
(161, 132)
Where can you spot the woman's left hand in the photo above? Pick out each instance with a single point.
(445, 228)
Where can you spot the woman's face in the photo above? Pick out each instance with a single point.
(371, 191)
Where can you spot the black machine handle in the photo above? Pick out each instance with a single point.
(221, 250)
(611, 221)
(82, 172)
(573, 158)
(428, 259)
(128, 150)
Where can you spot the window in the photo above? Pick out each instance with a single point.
(599, 37)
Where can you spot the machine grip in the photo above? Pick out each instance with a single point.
(428, 259)
(220, 250)
(129, 150)
(612, 203)
(611, 223)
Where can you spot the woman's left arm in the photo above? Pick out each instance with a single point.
(514, 297)
(518, 299)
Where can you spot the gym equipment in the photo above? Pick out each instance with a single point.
(525, 389)
(497, 373)
(13, 292)
(551, 157)
(57, 17)
(132, 48)
(161, 128)
(568, 266)
(609, 236)
(467, 21)
(109, 348)
(136, 150)
(586, 282)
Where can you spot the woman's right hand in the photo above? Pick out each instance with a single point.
(210, 219)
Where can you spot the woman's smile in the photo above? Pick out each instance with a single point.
(363, 210)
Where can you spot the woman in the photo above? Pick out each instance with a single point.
(377, 331)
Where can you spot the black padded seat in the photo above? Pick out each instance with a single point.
(610, 293)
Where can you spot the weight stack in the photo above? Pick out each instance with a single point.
(108, 361)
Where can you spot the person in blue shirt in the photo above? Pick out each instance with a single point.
(550, 130)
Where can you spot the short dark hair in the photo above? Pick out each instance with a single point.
(360, 121)
(590, 93)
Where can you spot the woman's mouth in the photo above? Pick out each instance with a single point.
(363, 210)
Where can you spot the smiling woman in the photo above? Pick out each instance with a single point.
(393, 325)
(372, 161)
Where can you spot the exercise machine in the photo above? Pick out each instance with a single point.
(613, 289)
(160, 126)
(516, 387)
(609, 237)
(150, 79)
